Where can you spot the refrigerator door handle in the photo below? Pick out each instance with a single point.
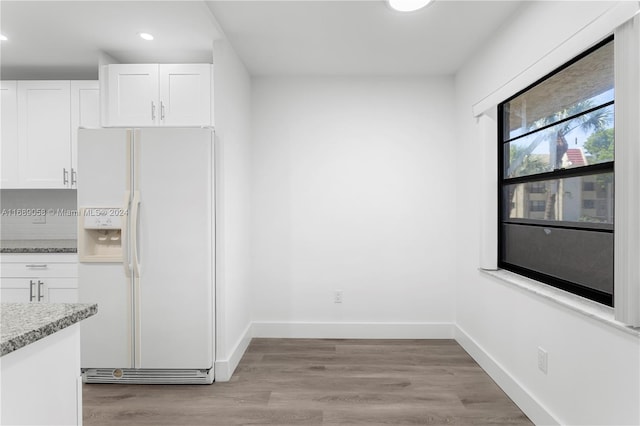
(134, 233)
(124, 240)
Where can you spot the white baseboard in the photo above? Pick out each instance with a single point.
(224, 368)
(523, 399)
(352, 330)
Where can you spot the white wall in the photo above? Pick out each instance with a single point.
(353, 190)
(232, 98)
(56, 227)
(594, 370)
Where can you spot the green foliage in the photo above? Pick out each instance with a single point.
(526, 163)
(600, 145)
(596, 120)
(531, 164)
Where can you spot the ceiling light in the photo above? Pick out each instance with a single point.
(3, 37)
(408, 5)
(146, 36)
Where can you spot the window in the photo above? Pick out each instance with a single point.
(556, 146)
(537, 206)
(537, 188)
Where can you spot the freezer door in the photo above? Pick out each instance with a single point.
(106, 337)
(174, 248)
(103, 167)
(103, 180)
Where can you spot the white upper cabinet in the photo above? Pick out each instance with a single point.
(85, 113)
(40, 121)
(132, 95)
(145, 95)
(9, 134)
(185, 95)
(44, 134)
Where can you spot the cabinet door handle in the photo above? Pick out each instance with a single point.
(31, 284)
(40, 292)
(74, 177)
(161, 110)
(153, 111)
(65, 177)
(36, 265)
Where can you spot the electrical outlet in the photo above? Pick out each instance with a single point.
(39, 219)
(337, 296)
(542, 360)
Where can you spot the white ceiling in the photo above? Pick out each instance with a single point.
(357, 37)
(63, 39)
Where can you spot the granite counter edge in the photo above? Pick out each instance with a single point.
(38, 250)
(33, 336)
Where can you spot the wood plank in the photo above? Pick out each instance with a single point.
(321, 382)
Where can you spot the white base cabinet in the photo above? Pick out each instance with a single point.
(147, 95)
(41, 382)
(50, 278)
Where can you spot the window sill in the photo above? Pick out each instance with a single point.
(596, 311)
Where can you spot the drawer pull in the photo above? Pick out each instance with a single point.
(36, 265)
(31, 284)
(40, 292)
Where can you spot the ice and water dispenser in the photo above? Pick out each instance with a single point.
(100, 234)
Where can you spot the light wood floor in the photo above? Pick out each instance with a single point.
(321, 382)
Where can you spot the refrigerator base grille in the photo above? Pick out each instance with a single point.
(147, 376)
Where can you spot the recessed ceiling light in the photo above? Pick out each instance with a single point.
(146, 36)
(3, 37)
(408, 5)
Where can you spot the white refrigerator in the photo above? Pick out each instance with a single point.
(146, 232)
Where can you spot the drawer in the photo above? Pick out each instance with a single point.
(39, 269)
(52, 290)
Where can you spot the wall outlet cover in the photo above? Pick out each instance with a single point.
(542, 360)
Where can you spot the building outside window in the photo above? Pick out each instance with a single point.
(556, 146)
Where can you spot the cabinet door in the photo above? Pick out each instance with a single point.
(132, 95)
(18, 290)
(58, 290)
(85, 113)
(9, 134)
(44, 134)
(39, 381)
(185, 95)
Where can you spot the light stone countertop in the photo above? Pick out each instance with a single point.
(24, 323)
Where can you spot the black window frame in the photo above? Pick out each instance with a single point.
(607, 167)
